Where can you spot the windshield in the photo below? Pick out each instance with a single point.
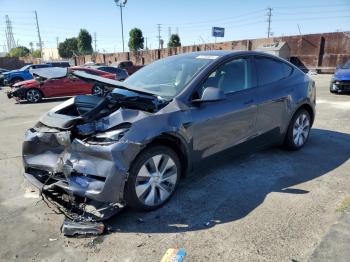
(167, 77)
(346, 65)
(24, 68)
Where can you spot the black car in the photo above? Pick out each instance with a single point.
(121, 74)
(2, 70)
(133, 146)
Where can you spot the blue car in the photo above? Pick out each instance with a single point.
(21, 74)
(341, 80)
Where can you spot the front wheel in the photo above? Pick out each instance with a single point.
(153, 178)
(33, 96)
(298, 130)
(98, 90)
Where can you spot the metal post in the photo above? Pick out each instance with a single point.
(121, 20)
(37, 27)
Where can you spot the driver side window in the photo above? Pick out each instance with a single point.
(233, 76)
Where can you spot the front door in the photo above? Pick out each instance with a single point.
(222, 124)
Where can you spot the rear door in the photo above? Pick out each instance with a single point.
(274, 95)
(222, 124)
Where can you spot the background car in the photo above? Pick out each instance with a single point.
(128, 66)
(2, 70)
(341, 79)
(24, 73)
(120, 74)
(67, 85)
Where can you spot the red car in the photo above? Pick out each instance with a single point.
(66, 85)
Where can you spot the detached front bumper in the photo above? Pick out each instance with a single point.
(97, 172)
(16, 92)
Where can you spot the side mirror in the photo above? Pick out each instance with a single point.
(211, 94)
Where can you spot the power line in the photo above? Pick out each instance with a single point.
(269, 14)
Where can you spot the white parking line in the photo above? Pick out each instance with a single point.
(339, 105)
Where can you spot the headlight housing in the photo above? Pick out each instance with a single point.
(108, 137)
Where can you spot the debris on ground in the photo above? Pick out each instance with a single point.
(174, 255)
(52, 239)
(74, 228)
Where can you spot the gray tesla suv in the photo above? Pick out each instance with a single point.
(133, 146)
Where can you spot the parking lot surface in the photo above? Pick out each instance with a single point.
(273, 205)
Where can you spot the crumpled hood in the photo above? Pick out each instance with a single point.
(27, 83)
(342, 74)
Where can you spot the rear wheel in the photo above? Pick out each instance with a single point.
(153, 178)
(298, 130)
(98, 90)
(33, 96)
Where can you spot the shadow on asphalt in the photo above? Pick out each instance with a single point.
(228, 188)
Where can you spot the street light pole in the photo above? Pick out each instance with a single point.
(121, 4)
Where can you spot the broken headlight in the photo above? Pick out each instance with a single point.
(108, 137)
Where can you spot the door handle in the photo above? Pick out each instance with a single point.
(250, 101)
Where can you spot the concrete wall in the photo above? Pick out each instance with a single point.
(314, 51)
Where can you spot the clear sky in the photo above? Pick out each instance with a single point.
(192, 19)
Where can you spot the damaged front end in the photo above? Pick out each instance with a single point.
(79, 153)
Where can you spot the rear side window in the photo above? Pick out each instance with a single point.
(271, 70)
(109, 69)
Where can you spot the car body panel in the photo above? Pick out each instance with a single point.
(99, 172)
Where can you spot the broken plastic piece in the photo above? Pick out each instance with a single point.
(73, 228)
(174, 255)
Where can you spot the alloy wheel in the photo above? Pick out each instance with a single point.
(98, 91)
(33, 96)
(301, 130)
(156, 180)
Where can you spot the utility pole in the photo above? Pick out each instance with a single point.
(169, 32)
(269, 14)
(9, 34)
(95, 42)
(159, 26)
(39, 37)
(121, 4)
(146, 43)
(57, 41)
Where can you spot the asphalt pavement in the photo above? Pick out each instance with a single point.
(273, 205)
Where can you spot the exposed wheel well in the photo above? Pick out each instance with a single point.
(175, 144)
(308, 108)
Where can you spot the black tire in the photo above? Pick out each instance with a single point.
(98, 90)
(131, 196)
(16, 80)
(291, 141)
(33, 95)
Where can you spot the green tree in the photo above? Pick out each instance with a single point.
(19, 51)
(84, 42)
(174, 41)
(136, 39)
(68, 48)
(36, 54)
